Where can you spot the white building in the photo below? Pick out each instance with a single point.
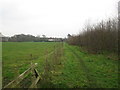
(51, 40)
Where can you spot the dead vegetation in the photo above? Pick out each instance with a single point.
(99, 37)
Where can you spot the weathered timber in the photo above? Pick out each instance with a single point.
(35, 82)
(15, 82)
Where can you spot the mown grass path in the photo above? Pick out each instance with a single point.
(92, 82)
(80, 69)
(73, 72)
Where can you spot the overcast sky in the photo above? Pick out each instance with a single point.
(53, 18)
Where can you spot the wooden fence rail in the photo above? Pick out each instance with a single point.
(32, 69)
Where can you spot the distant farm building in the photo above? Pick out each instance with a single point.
(54, 39)
(51, 40)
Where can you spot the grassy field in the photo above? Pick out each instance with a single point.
(81, 69)
(68, 66)
(18, 56)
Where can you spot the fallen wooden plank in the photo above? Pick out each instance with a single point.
(20, 78)
(33, 85)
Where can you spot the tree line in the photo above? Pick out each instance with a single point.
(30, 38)
(97, 38)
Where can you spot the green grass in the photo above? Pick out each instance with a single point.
(17, 57)
(72, 75)
(78, 69)
(86, 70)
